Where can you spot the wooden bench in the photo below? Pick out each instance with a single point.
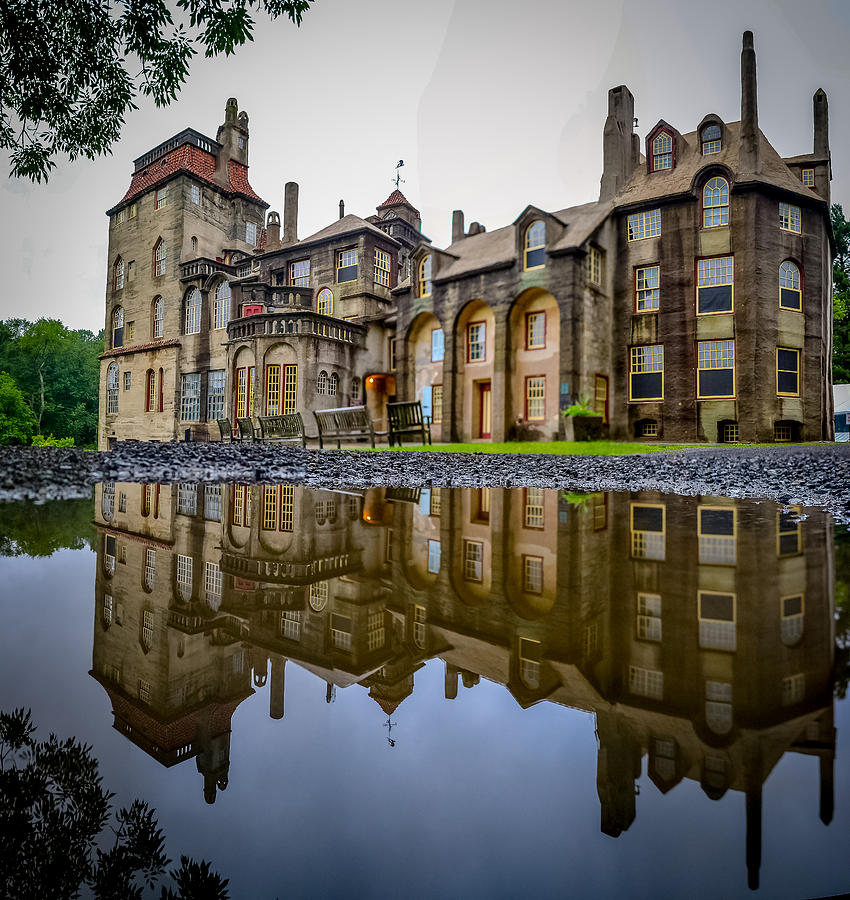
(225, 427)
(406, 418)
(246, 430)
(349, 422)
(285, 427)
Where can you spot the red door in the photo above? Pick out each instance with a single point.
(485, 409)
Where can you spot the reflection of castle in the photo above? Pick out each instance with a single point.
(699, 631)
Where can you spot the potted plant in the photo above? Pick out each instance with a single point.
(587, 424)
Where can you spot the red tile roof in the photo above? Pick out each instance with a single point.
(395, 197)
(197, 162)
(139, 348)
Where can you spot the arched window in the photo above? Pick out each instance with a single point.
(710, 139)
(160, 253)
(333, 384)
(112, 388)
(790, 294)
(158, 328)
(221, 312)
(535, 245)
(150, 391)
(322, 383)
(193, 312)
(107, 504)
(662, 151)
(118, 274)
(118, 327)
(355, 388)
(194, 244)
(715, 202)
(325, 302)
(425, 277)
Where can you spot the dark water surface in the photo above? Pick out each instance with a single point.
(456, 693)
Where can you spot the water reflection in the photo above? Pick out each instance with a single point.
(699, 631)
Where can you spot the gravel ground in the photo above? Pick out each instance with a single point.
(817, 475)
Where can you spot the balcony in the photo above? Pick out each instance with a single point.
(297, 572)
(293, 322)
(203, 267)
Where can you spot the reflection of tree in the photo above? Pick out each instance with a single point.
(842, 610)
(28, 529)
(53, 806)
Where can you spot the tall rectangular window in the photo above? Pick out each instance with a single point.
(341, 631)
(438, 345)
(158, 318)
(241, 392)
(790, 218)
(187, 498)
(434, 557)
(716, 620)
(272, 390)
(238, 505)
(532, 574)
(346, 266)
(646, 373)
(382, 268)
(593, 266)
(788, 532)
(717, 527)
(473, 560)
(215, 394)
(535, 330)
(715, 369)
(185, 574)
(196, 194)
(645, 224)
(190, 397)
(251, 234)
(648, 529)
(160, 255)
(646, 683)
(530, 654)
(287, 506)
(787, 372)
(290, 386)
(647, 289)
(299, 273)
(715, 285)
(212, 502)
(535, 397)
(290, 625)
(809, 177)
(648, 622)
(437, 404)
(212, 584)
(150, 568)
(476, 342)
(533, 507)
(269, 507)
(161, 198)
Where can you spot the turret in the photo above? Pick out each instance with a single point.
(273, 231)
(748, 157)
(618, 144)
(233, 136)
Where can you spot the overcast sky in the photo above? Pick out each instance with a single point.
(492, 104)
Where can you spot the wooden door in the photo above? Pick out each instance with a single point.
(485, 409)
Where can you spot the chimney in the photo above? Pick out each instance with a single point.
(748, 157)
(273, 232)
(458, 232)
(618, 144)
(341, 208)
(820, 107)
(290, 213)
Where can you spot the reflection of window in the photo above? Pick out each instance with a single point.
(718, 706)
(792, 623)
(185, 565)
(664, 761)
(107, 504)
(147, 629)
(599, 507)
(648, 288)
(715, 285)
(419, 617)
(533, 507)
(287, 506)
(319, 593)
(150, 568)
(716, 620)
(434, 556)
(530, 653)
(649, 617)
(436, 497)
(212, 585)
(717, 528)
(473, 560)
(715, 369)
(481, 507)
(290, 625)
(788, 530)
(107, 611)
(644, 224)
(646, 683)
(375, 631)
(212, 502)
(793, 689)
(341, 631)
(475, 342)
(145, 691)
(646, 373)
(789, 218)
(532, 574)
(269, 507)
(187, 499)
(648, 529)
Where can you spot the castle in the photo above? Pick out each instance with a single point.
(691, 302)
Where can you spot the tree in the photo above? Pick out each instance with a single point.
(65, 86)
(17, 422)
(840, 297)
(53, 807)
(40, 529)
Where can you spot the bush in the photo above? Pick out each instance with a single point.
(581, 407)
(47, 440)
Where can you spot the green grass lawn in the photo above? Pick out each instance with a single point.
(562, 448)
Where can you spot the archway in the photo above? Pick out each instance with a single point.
(426, 352)
(475, 344)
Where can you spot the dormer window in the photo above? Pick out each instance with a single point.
(535, 245)
(710, 139)
(425, 277)
(662, 151)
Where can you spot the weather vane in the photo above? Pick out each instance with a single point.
(398, 179)
(389, 726)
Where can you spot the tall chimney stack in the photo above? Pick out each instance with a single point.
(342, 209)
(618, 149)
(273, 231)
(458, 227)
(820, 107)
(748, 156)
(290, 213)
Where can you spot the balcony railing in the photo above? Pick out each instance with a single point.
(294, 322)
(286, 572)
(203, 267)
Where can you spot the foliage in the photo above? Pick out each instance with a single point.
(69, 72)
(841, 297)
(58, 371)
(40, 529)
(578, 500)
(842, 610)
(17, 421)
(563, 448)
(47, 440)
(581, 407)
(53, 807)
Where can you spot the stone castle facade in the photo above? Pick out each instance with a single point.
(691, 302)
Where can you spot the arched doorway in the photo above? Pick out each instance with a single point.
(426, 352)
(475, 343)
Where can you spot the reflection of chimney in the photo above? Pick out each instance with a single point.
(277, 687)
(290, 212)
(451, 682)
(273, 232)
(753, 837)
(618, 145)
(618, 762)
(341, 208)
(827, 787)
(458, 228)
(748, 157)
